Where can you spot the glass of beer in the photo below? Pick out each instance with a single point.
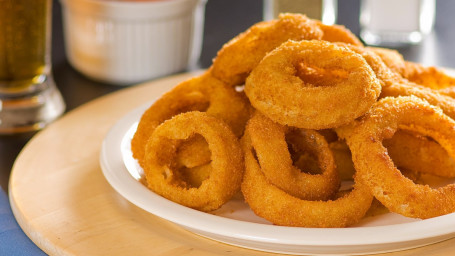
(29, 98)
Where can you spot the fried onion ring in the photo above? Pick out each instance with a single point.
(376, 169)
(338, 33)
(431, 77)
(411, 153)
(391, 58)
(419, 154)
(202, 93)
(273, 204)
(241, 54)
(286, 87)
(226, 166)
(276, 160)
(394, 85)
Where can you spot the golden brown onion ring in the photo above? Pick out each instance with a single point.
(394, 85)
(434, 97)
(338, 33)
(391, 58)
(411, 153)
(226, 167)
(270, 139)
(431, 77)
(419, 154)
(376, 169)
(280, 208)
(241, 54)
(287, 87)
(202, 93)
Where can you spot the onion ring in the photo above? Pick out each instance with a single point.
(226, 167)
(391, 58)
(431, 77)
(202, 93)
(401, 88)
(304, 100)
(393, 85)
(277, 206)
(419, 154)
(338, 33)
(241, 54)
(411, 153)
(376, 169)
(276, 161)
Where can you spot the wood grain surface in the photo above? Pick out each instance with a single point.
(64, 204)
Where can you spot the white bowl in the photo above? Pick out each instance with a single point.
(124, 42)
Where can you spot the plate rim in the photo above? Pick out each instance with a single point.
(120, 179)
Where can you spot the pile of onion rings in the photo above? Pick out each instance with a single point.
(312, 127)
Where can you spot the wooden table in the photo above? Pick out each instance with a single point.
(64, 204)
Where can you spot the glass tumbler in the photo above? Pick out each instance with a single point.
(29, 98)
(396, 23)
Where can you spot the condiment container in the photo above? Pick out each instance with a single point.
(125, 42)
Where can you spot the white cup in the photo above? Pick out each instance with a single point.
(125, 42)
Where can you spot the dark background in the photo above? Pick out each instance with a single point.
(224, 20)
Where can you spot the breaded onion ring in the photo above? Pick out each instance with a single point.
(241, 54)
(269, 139)
(226, 167)
(393, 85)
(411, 153)
(391, 58)
(419, 154)
(280, 208)
(431, 77)
(338, 33)
(202, 93)
(312, 85)
(376, 169)
(434, 97)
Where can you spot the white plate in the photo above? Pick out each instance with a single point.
(236, 224)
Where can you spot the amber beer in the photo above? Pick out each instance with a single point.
(24, 45)
(29, 99)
